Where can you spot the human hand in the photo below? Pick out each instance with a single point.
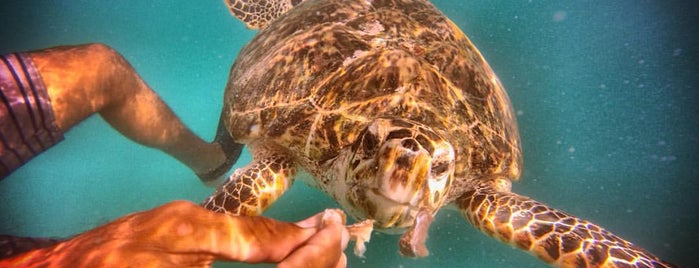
(326, 247)
(182, 234)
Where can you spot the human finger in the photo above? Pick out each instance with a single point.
(232, 238)
(315, 221)
(325, 248)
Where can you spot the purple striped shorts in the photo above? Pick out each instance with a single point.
(27, 123)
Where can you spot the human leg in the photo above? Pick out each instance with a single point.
(87, 79)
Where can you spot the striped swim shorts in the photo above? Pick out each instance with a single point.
(27, 123)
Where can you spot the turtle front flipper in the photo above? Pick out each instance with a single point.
(258, 14)
(252, 189)
(552, 235)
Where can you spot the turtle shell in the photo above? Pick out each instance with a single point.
(317, 75)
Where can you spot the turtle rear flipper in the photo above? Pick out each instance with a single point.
(257, 14)
(552, 235)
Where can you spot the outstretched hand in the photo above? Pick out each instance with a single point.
(182, 234)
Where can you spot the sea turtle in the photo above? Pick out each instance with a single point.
(386, 106)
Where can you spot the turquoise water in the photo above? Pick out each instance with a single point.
(605, 95)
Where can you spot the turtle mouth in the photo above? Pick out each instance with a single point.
(386, 198)
(406, 218)
(391, 213)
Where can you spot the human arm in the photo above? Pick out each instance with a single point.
(182, 234)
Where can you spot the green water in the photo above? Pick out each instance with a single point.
(605, 94)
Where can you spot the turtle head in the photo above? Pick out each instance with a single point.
(395, 169)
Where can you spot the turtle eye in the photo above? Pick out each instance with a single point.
(369, 143)
(438, 168)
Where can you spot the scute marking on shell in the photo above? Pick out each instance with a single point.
(395, 38)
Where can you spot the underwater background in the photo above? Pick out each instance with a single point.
(605, 93)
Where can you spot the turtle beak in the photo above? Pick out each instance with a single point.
(414, 177)
(404, 175)
(408, 183)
